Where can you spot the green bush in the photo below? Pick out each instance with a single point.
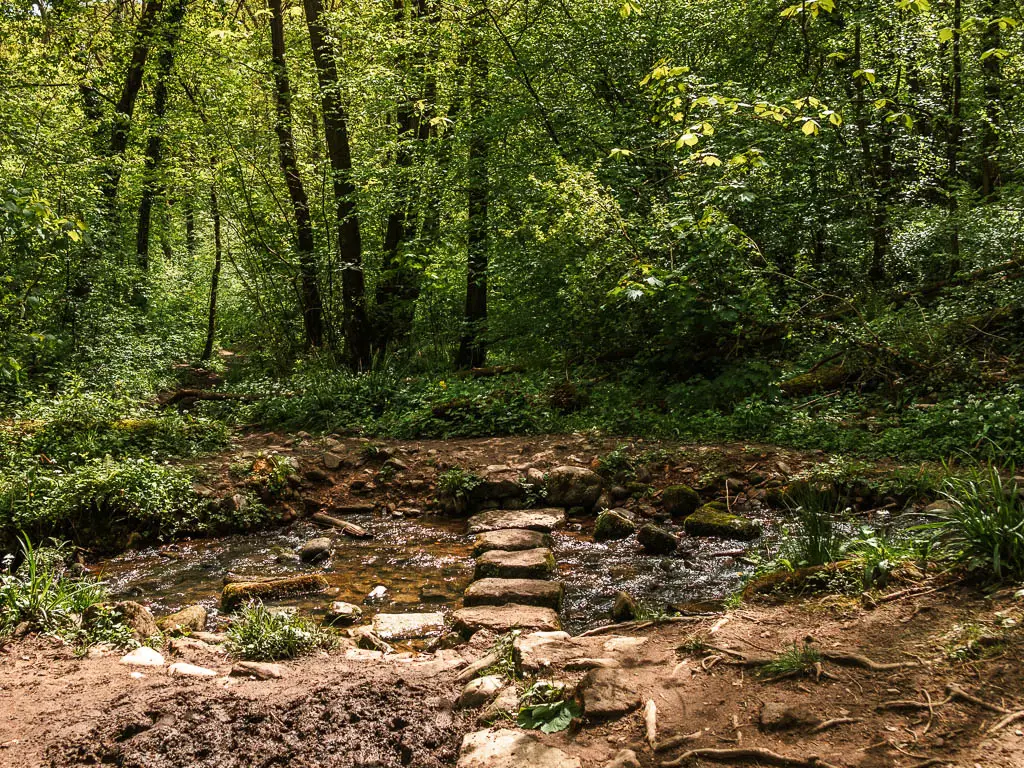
(259, 634)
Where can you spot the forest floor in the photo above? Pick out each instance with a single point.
(951, 654)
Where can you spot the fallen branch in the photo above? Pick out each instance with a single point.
(1010, 719)
(834, 722)
(748, 753)
(351, 529)
(856, 660)
(191, 395)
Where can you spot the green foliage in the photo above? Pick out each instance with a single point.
(819, 537)
(545, 706)
(504, 650)
(457, 483)
(43, 593)
(984, 527)
(796, 660)
(260, 634)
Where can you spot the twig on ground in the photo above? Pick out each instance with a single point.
(1010, 719)
(748, 753)
(834, 722)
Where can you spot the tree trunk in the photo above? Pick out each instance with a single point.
(955, 138)
(473, 345)
(992, 84)
(211, 323)
(312, 308)
(152, 187)
(190, 227)
(125, 106)
(350, 251)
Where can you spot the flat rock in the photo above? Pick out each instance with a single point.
(189, 619)
(504, 618)
(237, 593)
(182, 669)
(547, 594)
(525, 564)
(506, 748)
(543, 520)
(143, 656)
(258, 669)
(405, 626)
(510, 540)
(606, 693)
(480, 691)
(316, 550)
(342, 614)
(542, 650)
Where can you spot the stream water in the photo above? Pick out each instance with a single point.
(425, 564)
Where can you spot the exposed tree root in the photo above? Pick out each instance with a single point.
(834, 722)
(1010, 719)
(745, 754)
(676, 741)
(856, 660)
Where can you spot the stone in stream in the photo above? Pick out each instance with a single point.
(573, 487)
(680, 500)
(708, 521)
(547, 594)
(506, 748)
(656, 541)
(504, 618)
(133, 615)
(543, 520)
(342, 614)
(525, 564)
(613, 524)
(510, 540)
(239, 592)
(316, 550)
(625, 608)
(406, 626)
(605, 694)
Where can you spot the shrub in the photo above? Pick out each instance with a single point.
(259, 634)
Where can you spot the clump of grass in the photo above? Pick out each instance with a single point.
(984, 527)
(259, 634)
(796, 660)
(504, 650)
(43, 594)
(818, 538)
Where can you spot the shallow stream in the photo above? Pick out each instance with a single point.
(425, 564)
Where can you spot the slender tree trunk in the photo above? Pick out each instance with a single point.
(955, 138)
(152, 188)
(211, 322)
(992, 83)
(473, 345)
(190, 227)
(125, 106)
(312, 309)
(350, 250)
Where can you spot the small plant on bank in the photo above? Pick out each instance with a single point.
(796, 660)
(259, 634)
(504, 651)
(457, 483)
(984, 527)
(545, 707)
(818, 538)
(44, 594)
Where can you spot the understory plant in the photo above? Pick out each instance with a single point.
(260, 634)
(984, 525)
(545, 706)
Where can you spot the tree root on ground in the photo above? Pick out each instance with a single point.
(856, 660)
(745, 754)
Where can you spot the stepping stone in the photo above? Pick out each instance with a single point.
(543, 520)
(506, 748)
(504, 618)
(510, 540)
(527, 564)
(547, 594)
(405, 626)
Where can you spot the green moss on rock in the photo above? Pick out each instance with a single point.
(680, 500)
(709, 521)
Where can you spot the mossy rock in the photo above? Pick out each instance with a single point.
(656, 541)
(613, 524)
(680, 500)
(709, 521)
(243, 591)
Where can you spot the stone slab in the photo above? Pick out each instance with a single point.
(525, 564)
(506, 748)
(510, 540)
(543, 520)
(504, 618)
(547, 594)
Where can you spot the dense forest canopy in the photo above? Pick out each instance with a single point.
(731, 203)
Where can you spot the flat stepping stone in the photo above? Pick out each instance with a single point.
(608, 693)
(506, 748)
(510, 540)
(543, 520)
(406, 626)
(504, 618)
(546, 594)
(526, 564)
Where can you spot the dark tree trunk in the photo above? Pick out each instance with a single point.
(152, 188)
(399, 285)
(125, 106)
(955, 137)
(473, 345)
(312, 308)
(350, 250)
(211, 322)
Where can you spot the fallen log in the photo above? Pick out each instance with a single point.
(349, 529)
(240, 592)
